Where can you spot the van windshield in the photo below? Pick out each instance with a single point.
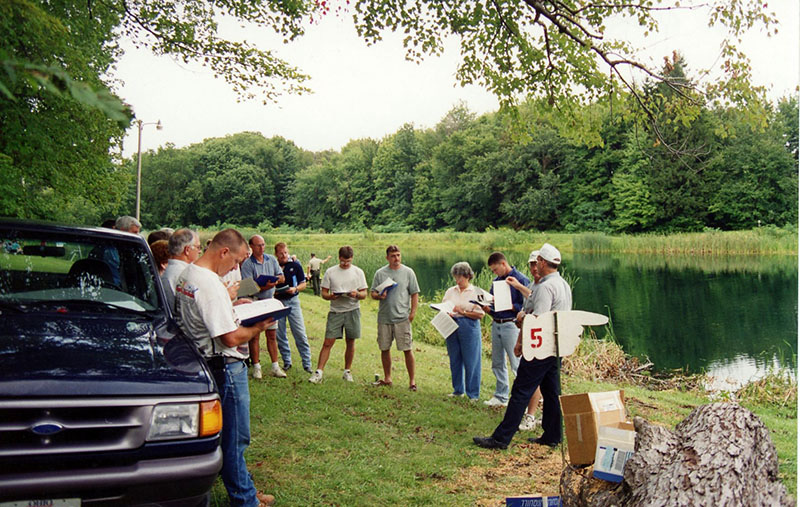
(38, 268)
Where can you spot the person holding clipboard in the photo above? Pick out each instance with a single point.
(504, 328)
(344, 285)
(264, 267)
(287, 292)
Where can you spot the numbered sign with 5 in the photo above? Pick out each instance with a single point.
(538, 332)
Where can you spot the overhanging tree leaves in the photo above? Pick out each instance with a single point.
(565, 50)
(189, 30)
(60, 123)
(53, 149)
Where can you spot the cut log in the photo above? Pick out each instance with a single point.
(720, 455)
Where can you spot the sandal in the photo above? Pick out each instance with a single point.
(265, 500)
(413, 387)
(382, 382)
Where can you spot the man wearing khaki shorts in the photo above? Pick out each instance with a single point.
(396, 310)
(344, 286)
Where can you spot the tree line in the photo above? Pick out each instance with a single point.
(470, 173)
(598, 151)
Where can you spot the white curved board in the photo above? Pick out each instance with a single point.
(538, 332)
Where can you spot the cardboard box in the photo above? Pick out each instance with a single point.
(583, 416)
(615, 445)
(533, 501)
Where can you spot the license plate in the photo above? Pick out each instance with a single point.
(53, 502)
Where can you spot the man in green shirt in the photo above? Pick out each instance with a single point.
(396, 311)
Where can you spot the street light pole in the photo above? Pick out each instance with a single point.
(141, 125)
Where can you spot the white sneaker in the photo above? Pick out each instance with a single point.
(316, 377)
(347, 376)
(257, 371)
(277, 371)
(528, 422)
(495, 402)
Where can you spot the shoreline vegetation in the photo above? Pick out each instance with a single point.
(353, 444)
(767, 240)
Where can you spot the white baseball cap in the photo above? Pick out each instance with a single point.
(534, 256)
(550, 253)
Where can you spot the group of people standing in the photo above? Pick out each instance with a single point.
(202, 292)
(287, 281)
(345, 285)
(534, 380)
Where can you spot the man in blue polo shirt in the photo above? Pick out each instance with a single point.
(260, 263)
(287, 292)
(504, 329)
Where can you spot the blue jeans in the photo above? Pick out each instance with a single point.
(542, 373)
(236, 436)
(504, 337)
(464, 349)
(295, 318)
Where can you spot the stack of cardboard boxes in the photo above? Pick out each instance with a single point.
(598, 432)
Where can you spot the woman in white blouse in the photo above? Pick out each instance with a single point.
(464, 344)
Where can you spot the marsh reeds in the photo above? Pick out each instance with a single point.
(760, 241)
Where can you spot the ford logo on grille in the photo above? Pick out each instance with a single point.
(44, 429)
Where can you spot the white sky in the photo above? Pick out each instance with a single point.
(362, 91)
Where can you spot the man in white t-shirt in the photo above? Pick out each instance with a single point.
(205, 313)
(344, 286)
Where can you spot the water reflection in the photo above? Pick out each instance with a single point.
(695, 314)
(730, 374)
(731, 316)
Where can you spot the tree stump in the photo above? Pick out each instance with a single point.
(578, 487)
(720, 455)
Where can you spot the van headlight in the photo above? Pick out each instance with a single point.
(185, 420)
(174, 422)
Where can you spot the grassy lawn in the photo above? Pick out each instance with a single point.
(339, 443)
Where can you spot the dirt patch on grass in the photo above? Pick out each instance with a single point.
(523, 469)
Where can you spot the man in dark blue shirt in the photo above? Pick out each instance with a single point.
(294, 283)
(504, 329)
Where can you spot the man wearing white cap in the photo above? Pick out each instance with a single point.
(552, 293)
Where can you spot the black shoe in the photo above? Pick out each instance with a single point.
(287, 367)
(539, 441)
(489, 443)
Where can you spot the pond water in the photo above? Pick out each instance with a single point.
(732, 317)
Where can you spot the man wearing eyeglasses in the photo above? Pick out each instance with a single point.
(184, 248)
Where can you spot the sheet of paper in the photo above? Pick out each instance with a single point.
(502, 296)
(444, 306)
(444, 324)
(247, 287)
(386, 285)
(483, 298)
(257, 311)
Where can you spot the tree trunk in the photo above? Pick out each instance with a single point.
(720, 455)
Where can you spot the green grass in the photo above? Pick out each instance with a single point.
(494, 239)
(762, 240)
(34, 263)
(354, 444)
